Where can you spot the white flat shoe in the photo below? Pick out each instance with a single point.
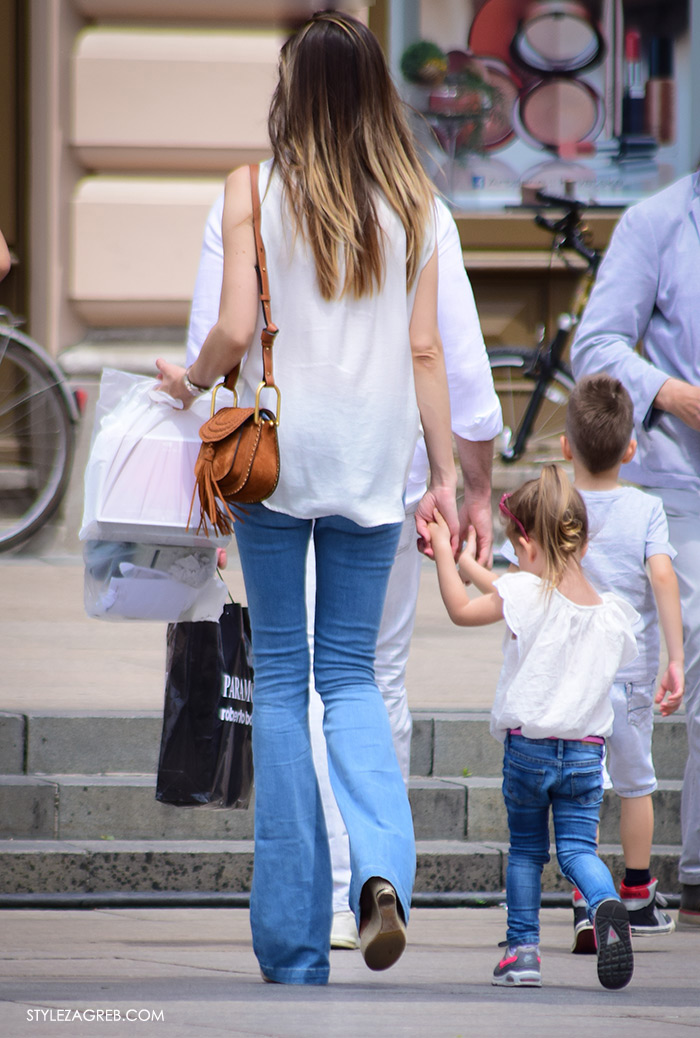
(344, 931)
(382, 930)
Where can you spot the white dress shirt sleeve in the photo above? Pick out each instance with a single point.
(204, 312)
(476, 412)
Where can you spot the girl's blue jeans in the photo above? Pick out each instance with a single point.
(291, 898)
(566, 776)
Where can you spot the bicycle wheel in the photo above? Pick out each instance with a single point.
(37, 440)
(514, 387)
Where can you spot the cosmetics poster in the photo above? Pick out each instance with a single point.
(582, 97)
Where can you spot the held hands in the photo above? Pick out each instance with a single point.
(442, 501)
(468, 556)
(440, 538)
(670, 693)
(487, 608)
(475, 518)
(442, 546)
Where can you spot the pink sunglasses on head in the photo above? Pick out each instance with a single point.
(503, 507)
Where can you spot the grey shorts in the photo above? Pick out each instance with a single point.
(628, 761)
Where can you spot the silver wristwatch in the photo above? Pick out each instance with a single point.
(191, 387)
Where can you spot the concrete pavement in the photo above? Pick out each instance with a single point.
(187, 973)
(56, 658)
(191, 973)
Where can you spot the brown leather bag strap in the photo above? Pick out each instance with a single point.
(270, 330)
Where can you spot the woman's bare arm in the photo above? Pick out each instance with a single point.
(231, 336)
(434, 405)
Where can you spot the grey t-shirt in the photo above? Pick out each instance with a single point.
(625, 527)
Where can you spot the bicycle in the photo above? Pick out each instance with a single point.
(533, 385)
(39, 413)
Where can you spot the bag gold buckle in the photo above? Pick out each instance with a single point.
(256, 417)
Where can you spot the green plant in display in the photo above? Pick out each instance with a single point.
(424, 63)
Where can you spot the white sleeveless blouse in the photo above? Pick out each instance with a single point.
(349, 419)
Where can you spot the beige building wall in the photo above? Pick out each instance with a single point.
(138, 110)
(157, 102)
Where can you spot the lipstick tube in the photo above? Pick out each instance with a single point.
(633, 97)
(660, 98)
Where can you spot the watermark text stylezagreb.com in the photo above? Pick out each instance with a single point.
(92, 1016)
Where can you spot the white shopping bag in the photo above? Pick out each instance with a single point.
(142, 562)
(140, 474)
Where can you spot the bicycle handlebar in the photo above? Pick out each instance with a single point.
(568, 227)
(7, 317)
(555, 201)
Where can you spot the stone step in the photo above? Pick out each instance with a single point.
(459, 743)
(123, 807)
(84, 866)
(487, 819)
(444, 743)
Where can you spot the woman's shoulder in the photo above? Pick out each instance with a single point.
(238, 178)
(238, 202)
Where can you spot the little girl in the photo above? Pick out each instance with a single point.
(562, 648)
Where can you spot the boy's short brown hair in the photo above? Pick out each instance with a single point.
(599, 421)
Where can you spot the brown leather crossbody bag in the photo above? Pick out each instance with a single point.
(239, 461)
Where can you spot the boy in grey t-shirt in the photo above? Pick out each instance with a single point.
(629, 553)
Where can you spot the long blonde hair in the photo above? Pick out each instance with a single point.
(552, 512)
(338, 134)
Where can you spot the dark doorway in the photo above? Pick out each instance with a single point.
(13, 129)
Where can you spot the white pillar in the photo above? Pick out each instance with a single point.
(53, 172)
(404, 29)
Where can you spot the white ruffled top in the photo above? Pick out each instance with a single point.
(560, 659)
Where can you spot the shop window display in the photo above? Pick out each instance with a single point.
(576, 96)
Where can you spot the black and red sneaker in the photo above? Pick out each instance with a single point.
(584, 936)
(644, 906)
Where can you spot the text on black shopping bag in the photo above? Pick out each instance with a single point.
(206, 754)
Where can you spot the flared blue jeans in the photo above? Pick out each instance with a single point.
(291, 899)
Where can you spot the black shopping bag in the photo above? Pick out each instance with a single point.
(206, 753)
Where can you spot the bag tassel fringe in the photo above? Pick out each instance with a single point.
(208, 489)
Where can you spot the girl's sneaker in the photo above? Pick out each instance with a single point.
(644, 906)
(614, 944)
(519, 967)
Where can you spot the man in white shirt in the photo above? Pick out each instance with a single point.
(476, 420)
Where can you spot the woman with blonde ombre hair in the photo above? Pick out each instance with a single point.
(347, 221)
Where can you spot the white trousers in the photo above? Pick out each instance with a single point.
(390, 672)
(683, 512)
